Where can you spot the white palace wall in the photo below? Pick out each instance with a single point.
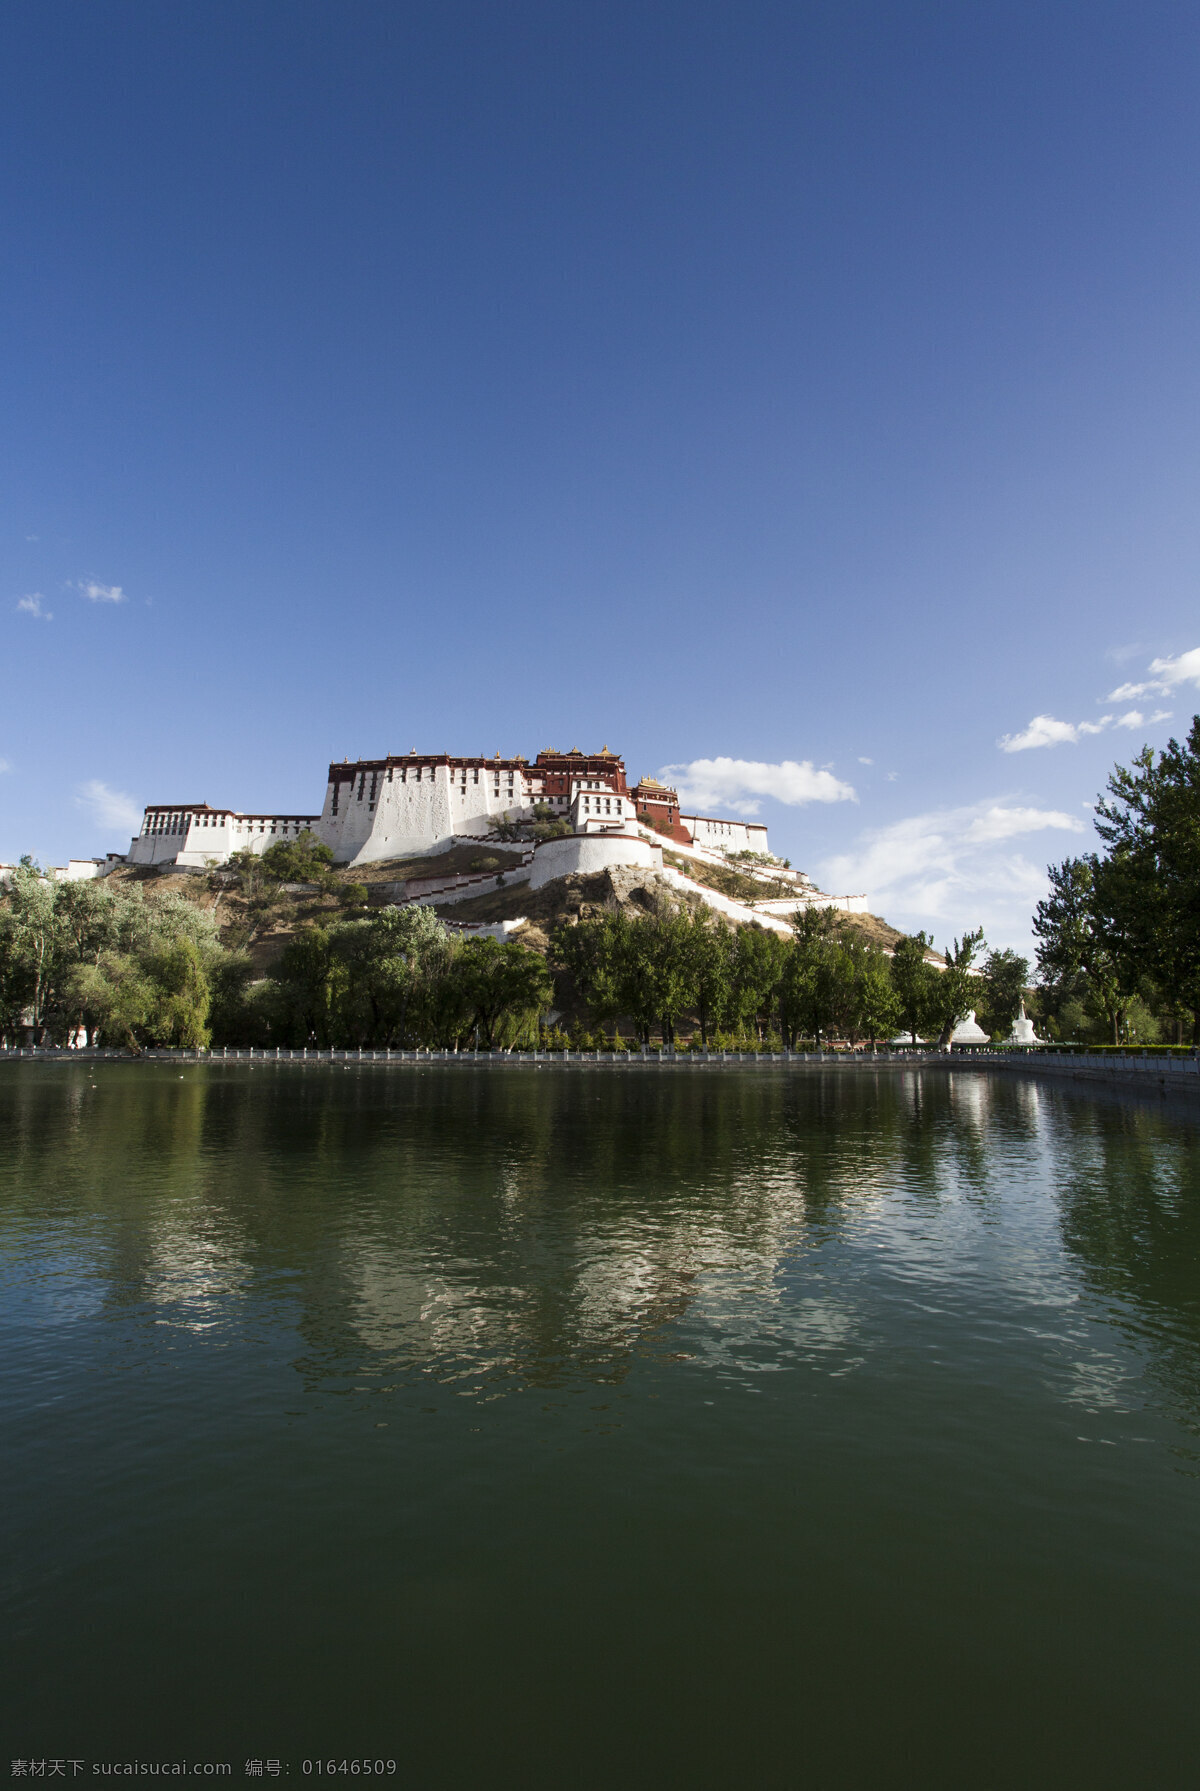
(418, 810)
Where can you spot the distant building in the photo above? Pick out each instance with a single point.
(192, 834)
(76, 870)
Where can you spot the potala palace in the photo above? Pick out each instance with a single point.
(420, 804)
(423, 804)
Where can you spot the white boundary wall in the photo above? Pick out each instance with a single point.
(580, 853)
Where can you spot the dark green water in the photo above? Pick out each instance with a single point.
(578, 1428)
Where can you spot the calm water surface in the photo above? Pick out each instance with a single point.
(563, 1427)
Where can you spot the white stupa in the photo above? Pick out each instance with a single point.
(968, 1033)
(1022, 1030)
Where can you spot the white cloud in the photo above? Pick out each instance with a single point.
(109, 808)
(87, 587)
(1165, 674)
(892, 776)
(951, 869)
(32, 606)
(5, 765)
(863, 761)
(740, 784)
(999, 823)
(1044, 730)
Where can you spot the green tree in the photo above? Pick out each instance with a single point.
(16, 979)
(1004, 980)
(876, 1010)
(503, 984)
(1148, 888)
(123, 994)
(595, 953)
(811, 975)
(1075, 941)
(505, 826)
(645, 968)
(547, 825)
(913, 978)
(387, 958)
(37, 941)
(310, 980)
(758, 961)
(181, 996)
(302, 860)
(710, 947)
(665, 969)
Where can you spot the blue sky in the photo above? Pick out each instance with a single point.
(803, 397)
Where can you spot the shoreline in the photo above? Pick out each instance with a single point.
(1148, 1072)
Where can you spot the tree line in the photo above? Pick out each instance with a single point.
(749, 986)
(121, 963)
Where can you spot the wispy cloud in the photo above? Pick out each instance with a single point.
(1133, 718)
(952, 868)
(31, 605)
(863, 761)
(1165, 675)
(108, 807)
(740, 784)
(96, 593)
(999, 823)
(1045, 730)
(5, 765)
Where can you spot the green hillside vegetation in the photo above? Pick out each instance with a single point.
(136, 960)
(727, 880)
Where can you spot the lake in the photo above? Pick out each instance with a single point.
(562, 1427)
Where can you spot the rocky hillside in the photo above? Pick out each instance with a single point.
(264, 926)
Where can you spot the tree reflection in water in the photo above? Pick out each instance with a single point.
(488, 1228)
